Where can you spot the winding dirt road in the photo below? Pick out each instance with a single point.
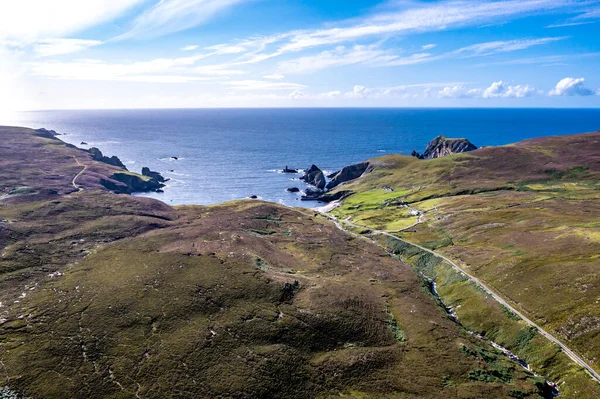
(73, 182)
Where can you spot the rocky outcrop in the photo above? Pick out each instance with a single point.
(315, 177)
(98, 156)
(348, 173)
(288, 170)
(153, 175)
(441, 146)
(319, 195)
(127, 183)
(48, 134)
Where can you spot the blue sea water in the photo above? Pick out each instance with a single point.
(226, 154)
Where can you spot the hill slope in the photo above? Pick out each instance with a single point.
(111, 296)
(522, 218)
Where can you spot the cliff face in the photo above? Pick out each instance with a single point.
(348, 173)
(441, 146)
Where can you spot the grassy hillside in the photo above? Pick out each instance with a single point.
(523, 218)
(112, 296)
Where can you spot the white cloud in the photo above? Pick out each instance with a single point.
(170, 16)
(359, 91)
(501, 89)
(189, 48)
(50, 47)
(497, 89)
(421, 18)
(330, 94)
(549, 59)
(338, 57)
(458, 91)
(164, 70)
(296, 95)
(275, 76)
(571, 87)
(263, 85)
(489, 48)
(408, 18)
(27, 21)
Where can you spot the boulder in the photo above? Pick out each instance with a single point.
(315, 177)
(293, 189)
(441, 146)
(348, 173)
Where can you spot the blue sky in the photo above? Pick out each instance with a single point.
(68, 54)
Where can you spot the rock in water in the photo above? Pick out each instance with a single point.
(293, 189)
(348, 173)
(287, 170)
(441, 146)
(315, 177)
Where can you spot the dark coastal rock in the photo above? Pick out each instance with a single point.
(253, 197)
(153, 175)
(83, 143)
(48, 134)
(315, 177)
(287, 170)
(293, 189)
(348, 173)
(98, 156)
(318, 195)
(127, 183)
(174, 158)
(332, 175)
(312, 194)
(441, 146)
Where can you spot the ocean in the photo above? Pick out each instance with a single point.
(217, 155)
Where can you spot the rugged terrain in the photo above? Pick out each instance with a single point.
(523, 220)
(106, 295)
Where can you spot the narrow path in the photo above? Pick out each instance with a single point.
(73, 182)
(497, 297)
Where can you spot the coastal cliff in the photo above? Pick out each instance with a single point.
(441, 146)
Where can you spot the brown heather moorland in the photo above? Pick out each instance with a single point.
(105, 295)
(522, 218)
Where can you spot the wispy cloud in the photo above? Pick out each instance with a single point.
(589, 15)
(410, 19)
(549, 59)
(163, 70)
(27, 21)
(51, 47)
(170, 16)
(189, 48)
(262, 85)
(373, 55)
(496, 47)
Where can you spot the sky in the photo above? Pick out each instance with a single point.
(95, 54)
